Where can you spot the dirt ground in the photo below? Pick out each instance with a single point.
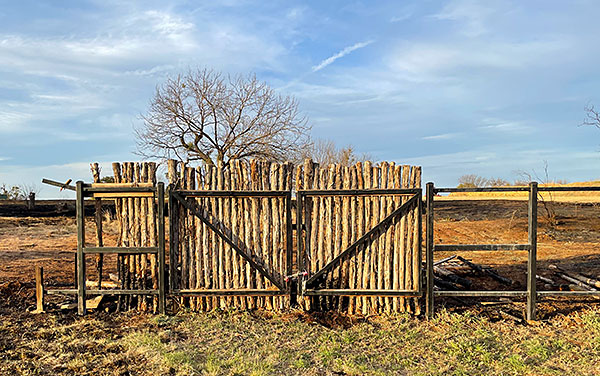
(570, 240)
(465, 337)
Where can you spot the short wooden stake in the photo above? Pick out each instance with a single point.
(39, 288)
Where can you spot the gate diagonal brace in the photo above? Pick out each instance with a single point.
(365, 238)
(192, 207)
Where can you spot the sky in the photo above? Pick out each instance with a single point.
(458, 87)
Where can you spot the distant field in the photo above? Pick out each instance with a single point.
(548, 196)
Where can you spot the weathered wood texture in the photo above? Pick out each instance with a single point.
(389, 261)
(257, 225)
(137, 222)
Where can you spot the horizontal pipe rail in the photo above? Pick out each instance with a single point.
(343, 292)
(358, 192)
(481, 189)
(232, 292)
(568, 189)
(185, 193)
(121, 292)
(61, 291)
(121, 250)
(568, 293)
(481, 247)
(516, 189)
(490, 294)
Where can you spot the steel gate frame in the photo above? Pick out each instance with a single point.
(304, 288)
(182, 196)
(531, 247)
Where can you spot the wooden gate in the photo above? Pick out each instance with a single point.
(231, 235)
(359, 238)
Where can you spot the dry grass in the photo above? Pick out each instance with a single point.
(234, 343)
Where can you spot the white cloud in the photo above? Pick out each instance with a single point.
(443, 136)
(340, 54)
(473, 15)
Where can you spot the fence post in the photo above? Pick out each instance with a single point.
(80, 206)
(161, 249)
(532, 259)
(429, 304)
(299, 243)
(39, 288)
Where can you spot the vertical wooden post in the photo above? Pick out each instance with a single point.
(39, 288)
(80, 246)
(429, 251)
(161, 248)
(173, 225)
(98, 217)
(299, 241)
(532, 259)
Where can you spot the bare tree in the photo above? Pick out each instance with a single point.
(202, 115)
(592, 116)
(326, 152)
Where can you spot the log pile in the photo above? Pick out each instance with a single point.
(576, 281)
(450, 273)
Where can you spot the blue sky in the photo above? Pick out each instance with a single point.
(459, 87)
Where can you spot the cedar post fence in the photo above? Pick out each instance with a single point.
(231, 238)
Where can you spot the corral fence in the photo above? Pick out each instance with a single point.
(273, 235)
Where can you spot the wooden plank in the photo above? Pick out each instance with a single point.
(142, 185)
(101, 195)
(59, 184)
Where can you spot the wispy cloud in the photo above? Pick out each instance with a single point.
(340, 54)
(443, 136)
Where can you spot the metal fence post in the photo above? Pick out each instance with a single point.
(79, 209)
(429, 304)
(532, 259)
(161, 249)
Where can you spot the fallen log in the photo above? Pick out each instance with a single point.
(448, 275)
(444, 260)
(588, 281)
(544, 279)
(445, 284)
(487, 270)
(576, 282)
